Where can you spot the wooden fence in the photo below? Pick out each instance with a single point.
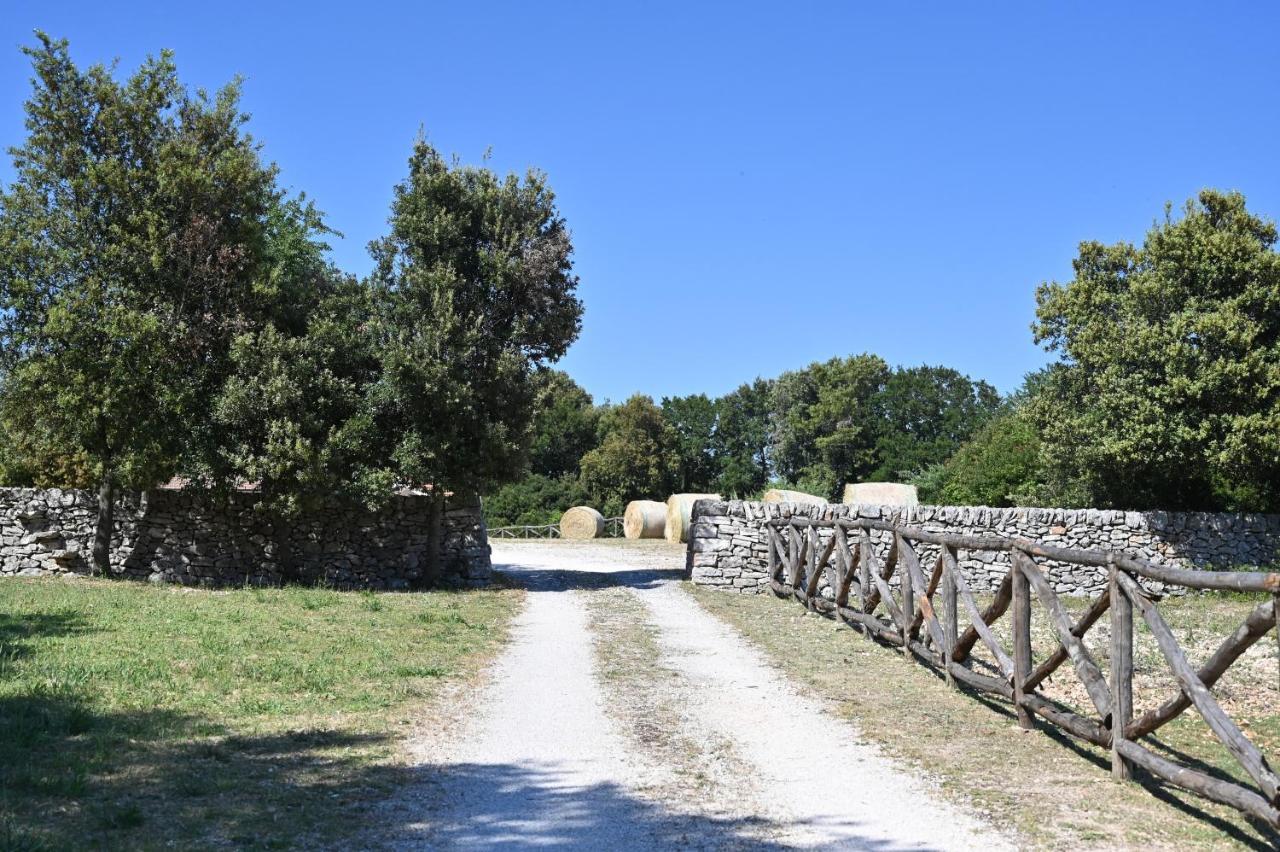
(612, 529)
(943, 633)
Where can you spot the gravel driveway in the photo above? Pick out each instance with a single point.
(699, 745)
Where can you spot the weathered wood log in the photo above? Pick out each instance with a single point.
(1206, 705)
(1214, 789)
(881, 571)
(775, 559)
(1240, 581)
(865, 563)
(1083, 727)
(980, 622)
(1121, 673)
(1086, 667)
(819, 563)
(995, 609)
(849, 561)
(873, 625)
(922, 592)
(925, 654)
(907, 556)
(1227, 581)
(886, 597)
(1100, 605)
(950, 612)
(1021, 624)
(797, 556)
(969, 542)
(979, 681)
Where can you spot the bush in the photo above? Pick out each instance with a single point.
(534, 500)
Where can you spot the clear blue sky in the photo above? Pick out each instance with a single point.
(751, 186)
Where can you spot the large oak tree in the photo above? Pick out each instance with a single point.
(1167, 393)
(133, 249)
(475, 291)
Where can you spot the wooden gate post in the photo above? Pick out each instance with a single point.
(1021, 639)
(908, 596)
(951, 627)
(1121, 673)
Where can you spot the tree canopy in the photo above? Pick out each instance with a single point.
(637, 458)
(1169, 389)
(475, 293)
(134, 245)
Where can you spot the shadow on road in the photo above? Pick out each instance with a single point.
(503, 806)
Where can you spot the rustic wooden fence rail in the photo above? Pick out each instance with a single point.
(803, 552)
(612, 529)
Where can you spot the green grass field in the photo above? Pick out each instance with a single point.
(154, 717)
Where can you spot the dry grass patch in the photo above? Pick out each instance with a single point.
(646, 697)
(1054, 791)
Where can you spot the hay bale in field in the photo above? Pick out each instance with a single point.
(781, 495)
(644, 519)
(881, 494)
(679, 510)
(581, 522)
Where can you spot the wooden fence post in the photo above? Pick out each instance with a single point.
(1121, 673)
(1021, 639)
(951, 627)
(908, 596)
(864, 573)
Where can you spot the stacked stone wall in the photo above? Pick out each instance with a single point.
(727, 544)
(196, 539)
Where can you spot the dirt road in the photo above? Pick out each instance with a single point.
(623, 716)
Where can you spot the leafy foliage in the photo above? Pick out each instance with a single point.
(925, 414)
(637, 456)
(564, 428)
(742, 440)
(293, 416)
(131, 243)
(693, 418)
(534, 500)
(475, 293)
(1168, 393)
(1000, 466)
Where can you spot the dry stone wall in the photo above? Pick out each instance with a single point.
(727, 544)
(194, 539)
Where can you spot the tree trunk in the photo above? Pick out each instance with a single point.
(435, 532)
(106, 520)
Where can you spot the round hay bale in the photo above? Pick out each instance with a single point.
(679, 510)
(881, 494)
(644, 519)
(780, 495)
(581, 522)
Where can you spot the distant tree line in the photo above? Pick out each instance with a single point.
(1165, 393)
(166, 309)
(842, 420)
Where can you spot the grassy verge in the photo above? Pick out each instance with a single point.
(1054, 791)
(151, 717)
